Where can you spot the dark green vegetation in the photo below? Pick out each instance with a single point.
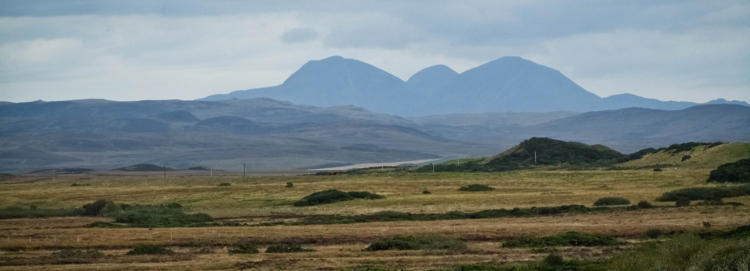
(476, 188)
(333, 195)
(243, 248)
(289, 184)
(432, 241)
(564, 239)
(77, 254)
(150, 249)
(225, 184)
(33, 212)
(611, 201)
(737, 172)
(644, 205)
(144, 167)
(494, 213)
(706, 193)
(159, 216)
(287, 248)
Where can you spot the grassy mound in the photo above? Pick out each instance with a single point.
(333, 195)
(476, 188)
(611, 201)
(564, 239)
(416, 243)
(243, 248)
(706, 193)
(737, 172)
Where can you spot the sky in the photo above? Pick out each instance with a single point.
(185, 49)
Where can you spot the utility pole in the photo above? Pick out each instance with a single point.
(433, 167)
(459, 162)
(165, 171)
(243, 170)
(212, 172)
(534, 157)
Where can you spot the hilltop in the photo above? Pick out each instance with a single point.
(507, 84)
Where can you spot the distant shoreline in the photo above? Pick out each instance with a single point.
(368, 165)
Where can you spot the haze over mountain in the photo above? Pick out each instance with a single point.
(508, 84)
(269, 135)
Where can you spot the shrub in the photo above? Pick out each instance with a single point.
(287, 248)
(611, 201)
(150, 250)
(737, 172)
(95, 208)
(159, 216)
(77, 254)
(706, 193)
(553, 260)
(564, 239)
(653, 233)
(417, 242)
(645, 205)
(686, 157)
(80, 184)
(475, 188)
(657, 169)
(289, 185)
(102, 224)
(243, 248)
(426, 192)
(225, 184)
(333, 195)
(682, 202)
(20, 212)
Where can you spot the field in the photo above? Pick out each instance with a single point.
(25, 244)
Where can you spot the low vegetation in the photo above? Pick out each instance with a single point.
(493, 213)
(611, 201)
(706, 193)
(476, 188)
(333, 195)
(150, 249)
(737, 172)
(287, 248)
(427, 242)
(34, 212)
(564, 239)
(243, 248)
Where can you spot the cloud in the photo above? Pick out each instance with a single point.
(299, 35)
(187, 49)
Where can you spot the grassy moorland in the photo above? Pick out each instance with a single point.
(260, 211)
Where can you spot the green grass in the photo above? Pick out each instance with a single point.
(706, 193)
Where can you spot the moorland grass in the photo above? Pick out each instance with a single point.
(563, 239)
(611, 201)
(706, 193)
(418, 242)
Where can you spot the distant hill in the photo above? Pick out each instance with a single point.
(337, 81)
(703, 123)
(143, 168)
(507, 84)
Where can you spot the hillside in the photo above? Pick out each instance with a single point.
(704, 157)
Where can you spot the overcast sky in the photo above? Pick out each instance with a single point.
(136, 50)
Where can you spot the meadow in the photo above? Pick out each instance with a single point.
(261, 212)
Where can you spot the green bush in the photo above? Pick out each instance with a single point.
(289, 185)
(20, 212)
(564, 239)
(150, 250)
(653, 233)
(287, 248)
(737, 172)
(243, 248)
(682, 202)
(332, 196)
(553, 260)
(706, 193)
(658, 169)
(159, 216)
(95, 208)
(225, 184)
(645, 205)
(611, 201)
(686, 157)
(476, 188)
(426, 192)
(418, 242)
